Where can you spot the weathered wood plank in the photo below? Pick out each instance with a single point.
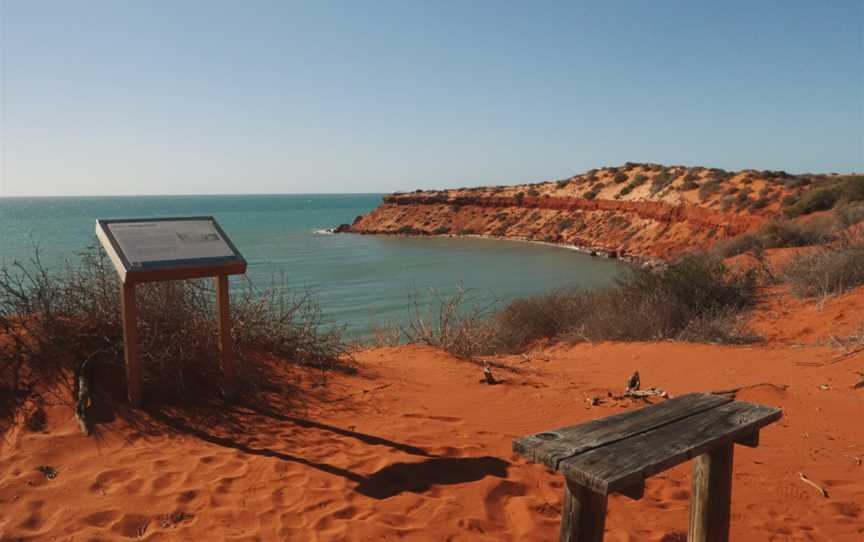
(550, 447)
(583, 514)
(134, 386)
(711, 498)
(226, 339)
(635, 492)
(751, 440)
(625, 462)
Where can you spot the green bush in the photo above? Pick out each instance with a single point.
(708, 188)
(760, 203)
(810, 202)
(533, 193)
(691, 177)
(661, 181)
(826, 195)
(620, 177)
(686, 186)
(779, 234)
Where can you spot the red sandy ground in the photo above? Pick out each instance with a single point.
(414, 447)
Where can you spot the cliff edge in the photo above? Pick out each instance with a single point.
(635, 210)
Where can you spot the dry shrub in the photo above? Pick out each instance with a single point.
(695, 298)
(451, 323)
(831, 271)
(779, 234)
(51, 322)
(527, 319)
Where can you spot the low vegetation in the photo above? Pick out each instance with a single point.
(776, 234)
(826, 272)
(695, 298)
(826, 194)
(50, 323)
(787, 233)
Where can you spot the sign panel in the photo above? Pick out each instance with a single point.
(150, 249)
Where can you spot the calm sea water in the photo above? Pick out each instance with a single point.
(359, 280)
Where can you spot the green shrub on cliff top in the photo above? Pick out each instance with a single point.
(827, 194)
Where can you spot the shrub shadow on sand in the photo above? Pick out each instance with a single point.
(420, 477)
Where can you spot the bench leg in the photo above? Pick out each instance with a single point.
(711, 498)
(583, 516)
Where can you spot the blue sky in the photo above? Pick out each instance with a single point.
(159, 97)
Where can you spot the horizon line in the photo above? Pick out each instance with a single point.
(197, 195)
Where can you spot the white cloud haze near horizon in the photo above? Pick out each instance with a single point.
(123, 98)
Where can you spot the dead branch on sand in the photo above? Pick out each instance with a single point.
(810, 482)
(832, 361)
(733, 391)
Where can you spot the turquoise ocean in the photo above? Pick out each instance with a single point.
(359, 280)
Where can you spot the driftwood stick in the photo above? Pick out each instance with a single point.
(650, 392)
(808, 481)
(733, 391)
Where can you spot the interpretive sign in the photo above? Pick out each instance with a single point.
(159, 249)
(148, 249)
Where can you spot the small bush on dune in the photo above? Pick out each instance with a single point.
(688, 185)
(661, 181)
(564, 224)
(708, 188)
(51, 322)
(826, 195)
(695, 298)
(528, 319)
(827, 272)
(779, 234)
(447, 322)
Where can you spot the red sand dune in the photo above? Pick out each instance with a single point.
(415, 447)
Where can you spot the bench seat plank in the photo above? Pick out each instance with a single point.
(551, 447)
(630, 461)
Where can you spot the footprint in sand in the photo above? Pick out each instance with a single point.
(101, 519)
(33, 522)
(187, 496)
(164, 483)
(131, 526)
(109, 481)
(496, 500)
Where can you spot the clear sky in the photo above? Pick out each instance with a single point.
(183, 97)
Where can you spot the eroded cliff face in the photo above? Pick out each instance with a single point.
(639, 211)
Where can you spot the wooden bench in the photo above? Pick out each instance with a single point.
(617, 453)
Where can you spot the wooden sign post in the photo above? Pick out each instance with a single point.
(161, 249)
